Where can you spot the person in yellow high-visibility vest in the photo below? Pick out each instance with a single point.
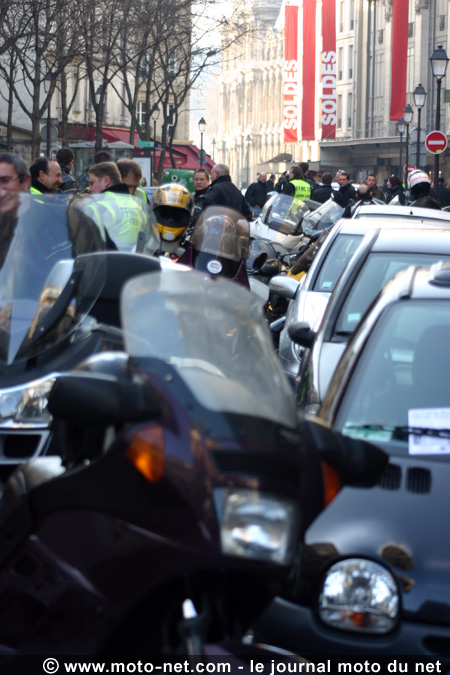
(46, 176)
(119, 215)
(131, 174)
(297, 186)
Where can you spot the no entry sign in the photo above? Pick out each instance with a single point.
(436, 142)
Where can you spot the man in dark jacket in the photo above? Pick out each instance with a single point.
(346, 190)
(396, 191)
(256, 193)
(377, 191)
(324, 192)
(222, 192)
(65, 158)
(363, 196)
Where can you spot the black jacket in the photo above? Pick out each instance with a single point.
(256, 194)
(69, 182)
(222, 192)
(396, 191)
(322, 194)
(344, 194)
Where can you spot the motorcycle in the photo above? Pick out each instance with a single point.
(175, 509)
(281, 219)
(59, 303)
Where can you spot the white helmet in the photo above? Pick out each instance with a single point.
(418, 178)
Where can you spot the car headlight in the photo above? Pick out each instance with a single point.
(359, 595)
(25, 406)
(258, 525)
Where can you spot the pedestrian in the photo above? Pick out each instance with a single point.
(346, 190)
(306, 175)
(377, 191)
(443, 193)
(283, 183)
(395, 190)
(222, 192)
(46, 176)
(102, 156)
(256, 194)
(297, 186)
(420, 187)
(65, 158)
(83, 180)
(270, 183)
(364, 196)
(14, 178)
(131, 174)
(119, 216)
(323, 192)
(201, 184)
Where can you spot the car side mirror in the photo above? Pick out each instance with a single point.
(358, 463)
(302, 334)
(99, 400)
(285, 287)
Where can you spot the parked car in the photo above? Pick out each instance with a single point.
(382, 253)
(374, 577)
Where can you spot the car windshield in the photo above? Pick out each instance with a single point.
(46, 286)
(325, 216)
(378, 269)
(212, 331)
(336, 259)
(402, 380)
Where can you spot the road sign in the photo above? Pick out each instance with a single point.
(201, 155)
(411, 167)
(414, 133)
(146, 144)
(53, 132)
(436, 142)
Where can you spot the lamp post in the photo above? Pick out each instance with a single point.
(401, 130)
(202, 127)
(408, 114)
(155, 117)
(47, 84)
(419, 95)
(439, 62)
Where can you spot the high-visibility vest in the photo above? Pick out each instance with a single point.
(35, 191)
(302, 189)
(123, 216)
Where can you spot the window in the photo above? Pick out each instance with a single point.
(171, 63)
(380, 37)
(350, 62)
(441, 21)
(340, 62)
(349, 110)
(352, 15)
(141, 113)
(339, 111)
(410, 29)
(410, 70)
(341, 17)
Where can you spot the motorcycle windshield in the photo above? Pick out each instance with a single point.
(44, 292)
(212, 331)
(222, 232)
(283, 213)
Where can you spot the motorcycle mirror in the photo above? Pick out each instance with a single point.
(302, 334)
(99, 400)
(358, 463)
(285, 287)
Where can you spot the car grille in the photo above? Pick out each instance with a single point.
(418, 480)
(391, 478)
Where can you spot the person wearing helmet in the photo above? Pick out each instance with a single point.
(173, 206)
(420, 186)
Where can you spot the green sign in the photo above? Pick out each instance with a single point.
(146, 144)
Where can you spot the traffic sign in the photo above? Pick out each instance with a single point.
(436, 142)
(146, 144)
(411, 167)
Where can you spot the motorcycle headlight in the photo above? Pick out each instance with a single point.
(258, 525)
(359, 595)
(26, 406)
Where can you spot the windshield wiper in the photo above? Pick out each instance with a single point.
(402, 431)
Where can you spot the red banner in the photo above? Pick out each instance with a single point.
(399, 57)
(329, 60)
(290, 74)
(309, 69)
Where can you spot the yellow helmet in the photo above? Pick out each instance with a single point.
(173, 206)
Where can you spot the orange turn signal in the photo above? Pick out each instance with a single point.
(146, 452)
(331, 483)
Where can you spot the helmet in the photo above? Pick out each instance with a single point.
(418, 181)
(173, 206)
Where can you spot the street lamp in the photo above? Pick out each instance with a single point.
(401, 130)
(249, 140)
(202, 127)
(100, 95)
(408, 114)
(439, 62)
(155, 117)
(47, 84)
(419, 95)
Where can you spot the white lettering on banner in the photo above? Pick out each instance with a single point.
(329, 88)
(290, 94)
